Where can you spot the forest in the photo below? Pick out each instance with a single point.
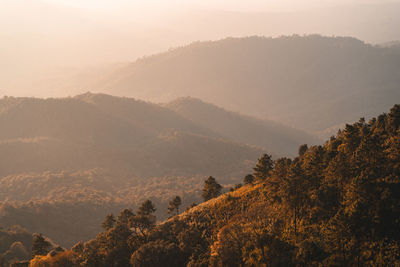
(168, 133)
(68, 162)
(335, 79)
(335, 204)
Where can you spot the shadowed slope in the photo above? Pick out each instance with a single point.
(274, 137)
(310, 82)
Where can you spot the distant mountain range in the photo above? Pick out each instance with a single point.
(272, 136)
(85, 156)
(313, 83)
(121, 134)
(185, 137)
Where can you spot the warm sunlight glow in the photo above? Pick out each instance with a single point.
(182, 133)
(39, 37)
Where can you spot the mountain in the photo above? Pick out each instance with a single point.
(335, 204)
(68, 162)
(37, 35)
(121, 134)
(272, 136)
(312, 82)
(391, 43)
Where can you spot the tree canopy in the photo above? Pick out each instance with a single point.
(211, 189)
(336, 204)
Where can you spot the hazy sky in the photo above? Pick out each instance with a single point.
(41, 35)
(237, 5)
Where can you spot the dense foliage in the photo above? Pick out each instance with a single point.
(333, 205)
(66, 163)
(76, 201)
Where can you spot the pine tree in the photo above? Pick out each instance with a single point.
(303, 149)
(145, 219)
(248, 179)
(211, 189)
(109, 222)
(146, 208)
(264, 167)
(125, 216)
(173, 207)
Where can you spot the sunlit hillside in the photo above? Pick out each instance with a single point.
(294, 212)
(169, 133)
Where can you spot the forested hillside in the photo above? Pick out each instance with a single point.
(309, 82)
(125, 135)
(267, 134)
(335, 204)
(68, 162)
(76, 201)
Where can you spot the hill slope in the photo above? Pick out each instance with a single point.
(310, 82)
(92, 131)
(272, 136)
(66, 163)
(333, 205)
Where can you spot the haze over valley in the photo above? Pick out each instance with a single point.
(199, 133)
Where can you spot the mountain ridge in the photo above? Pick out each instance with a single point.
(311, 82)
(272, 136)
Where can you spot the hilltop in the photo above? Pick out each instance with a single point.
(100, 131)
(314, 83)
(272, 136)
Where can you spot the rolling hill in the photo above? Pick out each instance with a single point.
(125, 135)
(335, 204)
(313, 83)
(272, 136)
(68, 162)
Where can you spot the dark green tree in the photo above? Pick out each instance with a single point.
(125, 216)
(158, 253)
(248, 179)
(109, 222)
(117, 250)
(173, 207)
(145, 219)
(303, 149)
(264, 167)
(147, 208)
(211, 189)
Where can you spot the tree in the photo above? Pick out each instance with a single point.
(147, 208)
(125, 216)
(294, 192)
(158, 253)
(264, 167)
(144, 220)
(117, 252)
(108, 222)
(92, 252)
(228, 249)
(40, 245)
(248, 179)
(211, 189)
(303, 149)
(174, 204)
